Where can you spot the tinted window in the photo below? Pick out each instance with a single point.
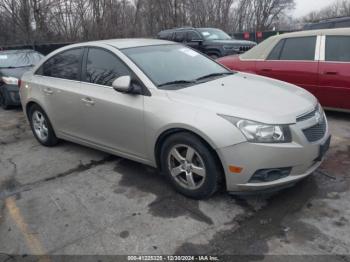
(103, 67)
(180, 36)
(338, 48)
(19, 58)
(192, 35)
(165, 35)
(65, 65)
(276, 52)
(342, 24)
(301, 48)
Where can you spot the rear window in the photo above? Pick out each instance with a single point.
(19, 59)
(299, 48)
(338, 48)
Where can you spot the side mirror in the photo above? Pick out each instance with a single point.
(198, 41)
(122, 84)
(125, 84)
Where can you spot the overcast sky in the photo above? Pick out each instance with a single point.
(303, 7)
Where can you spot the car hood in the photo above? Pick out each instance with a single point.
(250, 97)
(231, 42)
(14, 72)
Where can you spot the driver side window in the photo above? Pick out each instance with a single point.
(193, 36)
(103, 67)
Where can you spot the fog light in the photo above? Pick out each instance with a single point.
(269, 175)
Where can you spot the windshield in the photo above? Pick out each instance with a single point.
(214, 34)
(168, 65)
(19, 59)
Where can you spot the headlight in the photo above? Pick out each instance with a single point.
(10, 80)
(261, 133)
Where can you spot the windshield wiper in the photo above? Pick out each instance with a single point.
(213, 75)
(177, 82)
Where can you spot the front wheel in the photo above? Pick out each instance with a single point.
(190, 166)
(41, 127)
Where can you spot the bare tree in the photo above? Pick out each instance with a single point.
(76, 20)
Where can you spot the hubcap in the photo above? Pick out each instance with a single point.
(187, 167)
(40, 126)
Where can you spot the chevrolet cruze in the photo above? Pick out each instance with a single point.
(165, 105)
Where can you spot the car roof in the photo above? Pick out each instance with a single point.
(335, 31)
(128, 43)
(261, 51)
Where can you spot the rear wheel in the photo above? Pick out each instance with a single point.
(41, 127)
(190, 166)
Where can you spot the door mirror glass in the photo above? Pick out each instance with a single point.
(122, 84)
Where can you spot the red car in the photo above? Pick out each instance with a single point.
(318, 61)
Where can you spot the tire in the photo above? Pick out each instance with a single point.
(3, 101)
(42, 129)
(203, 166)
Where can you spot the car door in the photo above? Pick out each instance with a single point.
(58, 81)
(109, 118)
(293, 60)
(334, 89)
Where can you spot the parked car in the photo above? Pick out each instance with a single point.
(210, 41)
(339, 22)
(195, 120)
(13, 64)
(318, 61)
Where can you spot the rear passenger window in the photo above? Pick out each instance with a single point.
(65, 65)
(338, 48)
(300, 48)
(103, 67)
(276, 51)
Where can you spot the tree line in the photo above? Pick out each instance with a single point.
(38, 21)
(45, 21)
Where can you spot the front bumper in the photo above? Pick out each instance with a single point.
(11, 92)
(301, 156)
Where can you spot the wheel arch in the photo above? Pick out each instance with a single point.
(172, 131)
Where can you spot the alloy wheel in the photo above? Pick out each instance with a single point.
(40, 126)
(186, 167)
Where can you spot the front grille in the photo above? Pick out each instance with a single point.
(307, 116)
(245, 48)
(317, 132)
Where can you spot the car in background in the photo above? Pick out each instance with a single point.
(210, 41)
(13, 64)
(339, 22)
(318, 61)
(201, 124)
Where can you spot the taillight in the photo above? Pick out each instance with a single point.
(19, 83)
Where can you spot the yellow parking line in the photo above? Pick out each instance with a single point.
(32, 241)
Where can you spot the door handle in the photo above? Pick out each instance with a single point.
(48, 91)
(88, 101)
(331, 73)
(266, 70)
